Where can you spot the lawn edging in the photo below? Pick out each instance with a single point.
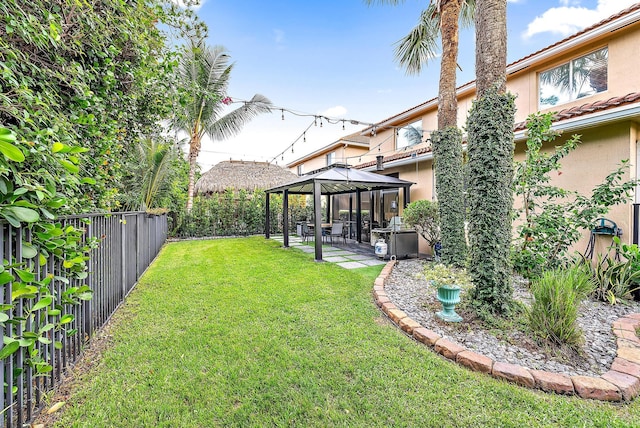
(620, 383)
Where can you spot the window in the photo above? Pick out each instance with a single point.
(575, 79)
(331, 158)
(301, 169)
(409, 135)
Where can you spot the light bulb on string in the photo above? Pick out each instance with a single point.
(343, 125)
(304, 137)
(292, 148)
(320, 121)
(282, 110)
(315, 120)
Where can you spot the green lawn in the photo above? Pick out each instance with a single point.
(241, 332)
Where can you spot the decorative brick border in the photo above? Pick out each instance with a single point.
(620, 383)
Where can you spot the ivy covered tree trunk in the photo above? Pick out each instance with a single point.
(490, 168)
(447, 152)
(447, 143)
(490, 150)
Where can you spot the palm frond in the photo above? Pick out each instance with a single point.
(232, 123)
(418, 47)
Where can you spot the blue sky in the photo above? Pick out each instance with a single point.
(336, 58)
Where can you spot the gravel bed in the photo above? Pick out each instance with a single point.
(407, 289)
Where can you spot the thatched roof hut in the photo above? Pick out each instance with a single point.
(238, 175)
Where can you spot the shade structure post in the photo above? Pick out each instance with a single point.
(407, 196)
(359, 215)
(267, 220)
(317, 220)
(285, 218)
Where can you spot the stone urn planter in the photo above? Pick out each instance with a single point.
(449, 296)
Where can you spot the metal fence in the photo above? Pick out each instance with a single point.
(128, 243)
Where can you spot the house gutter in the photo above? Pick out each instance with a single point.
(595, 119)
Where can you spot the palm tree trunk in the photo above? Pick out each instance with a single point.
(491, 45)
(194, 150)
(447, 100)
(490, 166)
(447, 142)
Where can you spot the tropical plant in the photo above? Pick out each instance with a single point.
(148, 172)
(423, 216)
(441, 20)
(615, 280)
(490, 164)
(552, 219)
(557, 295)
(205, 71)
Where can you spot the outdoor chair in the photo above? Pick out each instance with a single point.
(337, 230)
(306, 232)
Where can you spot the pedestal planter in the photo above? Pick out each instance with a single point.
(449, 295)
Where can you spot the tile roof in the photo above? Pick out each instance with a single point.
(569, 113)
(471, 83)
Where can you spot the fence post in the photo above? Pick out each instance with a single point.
(123, 249)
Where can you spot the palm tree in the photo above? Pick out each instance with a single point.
(206, 71)
(490, 166)
(440, 20)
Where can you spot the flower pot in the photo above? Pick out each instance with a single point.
(449, 295)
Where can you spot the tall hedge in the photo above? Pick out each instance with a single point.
(447, 152)
(490, 197)
(94, 74)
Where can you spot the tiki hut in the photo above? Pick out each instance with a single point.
(241, 175)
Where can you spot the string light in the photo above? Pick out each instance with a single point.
(303, 135)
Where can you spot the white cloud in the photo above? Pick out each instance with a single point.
(336, 111)
(571, 17)
(514, 1)
(193, 4)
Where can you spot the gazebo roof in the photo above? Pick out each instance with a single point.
(241, 175)
(338, 179)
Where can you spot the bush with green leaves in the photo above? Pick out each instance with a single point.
(557, 295)
(490, 197)
(439, 274)
(552, 219)
(231, 213)
(96, 75)
(423, 216)
(614, 280)
(29, 203)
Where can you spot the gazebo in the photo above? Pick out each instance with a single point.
(332, 180)
(241, 175)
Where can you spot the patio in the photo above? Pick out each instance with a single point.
(349, 255)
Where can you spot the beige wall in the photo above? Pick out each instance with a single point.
(601, 149)
(343, 154)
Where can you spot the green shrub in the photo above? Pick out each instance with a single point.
(552, 219)
(557, 296)
(423, 216)
(614, 280)
(439, 274)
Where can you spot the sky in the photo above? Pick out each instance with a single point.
(336, 58)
